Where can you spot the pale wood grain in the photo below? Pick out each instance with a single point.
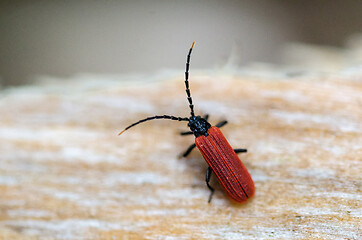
(64, 173)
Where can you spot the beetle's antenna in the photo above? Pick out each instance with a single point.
(152, 118)
(187, 81)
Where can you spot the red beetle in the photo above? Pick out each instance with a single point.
(219, 155)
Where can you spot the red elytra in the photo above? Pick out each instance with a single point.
(219, 155)
(225, 163)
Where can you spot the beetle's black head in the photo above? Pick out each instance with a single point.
(198, 125)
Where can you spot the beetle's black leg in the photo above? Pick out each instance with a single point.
(186, 133)
(208, 176)
(187, 152)
(240, 150)
(220, 124)
(206, 117)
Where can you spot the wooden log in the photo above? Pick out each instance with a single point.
(65, 174)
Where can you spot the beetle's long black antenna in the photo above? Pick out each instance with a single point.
(187, 81)
(152, 118)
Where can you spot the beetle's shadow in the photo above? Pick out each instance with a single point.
(197, 165)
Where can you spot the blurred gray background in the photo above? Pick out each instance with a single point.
(63, 38)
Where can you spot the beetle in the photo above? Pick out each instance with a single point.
(221, 158)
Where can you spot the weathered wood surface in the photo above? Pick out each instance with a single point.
(65, 174)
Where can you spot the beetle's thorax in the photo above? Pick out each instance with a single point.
(199, 126)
